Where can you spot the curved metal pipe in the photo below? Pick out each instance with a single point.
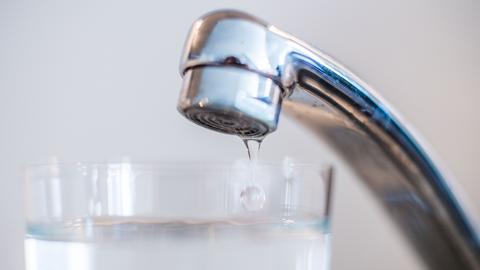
(239, 72)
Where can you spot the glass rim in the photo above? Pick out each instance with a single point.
(184, 165)
(216, 190)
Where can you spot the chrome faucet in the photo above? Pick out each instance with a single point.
(240, 72)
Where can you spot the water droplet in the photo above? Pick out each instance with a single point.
(253, 147)
(253, 198)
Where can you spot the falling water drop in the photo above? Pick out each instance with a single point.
(252, 196)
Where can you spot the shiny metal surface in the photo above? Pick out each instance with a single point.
(242, 102)
(240, 72)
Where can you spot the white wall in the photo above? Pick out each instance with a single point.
(96, 80)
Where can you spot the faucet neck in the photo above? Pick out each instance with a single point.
(345, 112)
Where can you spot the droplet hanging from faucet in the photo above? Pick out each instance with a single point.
(253, 147)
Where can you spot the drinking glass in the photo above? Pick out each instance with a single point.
(178, 216)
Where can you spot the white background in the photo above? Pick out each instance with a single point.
(98, 80)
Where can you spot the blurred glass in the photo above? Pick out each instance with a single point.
(178, 216)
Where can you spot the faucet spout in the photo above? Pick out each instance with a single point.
(240, 73)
